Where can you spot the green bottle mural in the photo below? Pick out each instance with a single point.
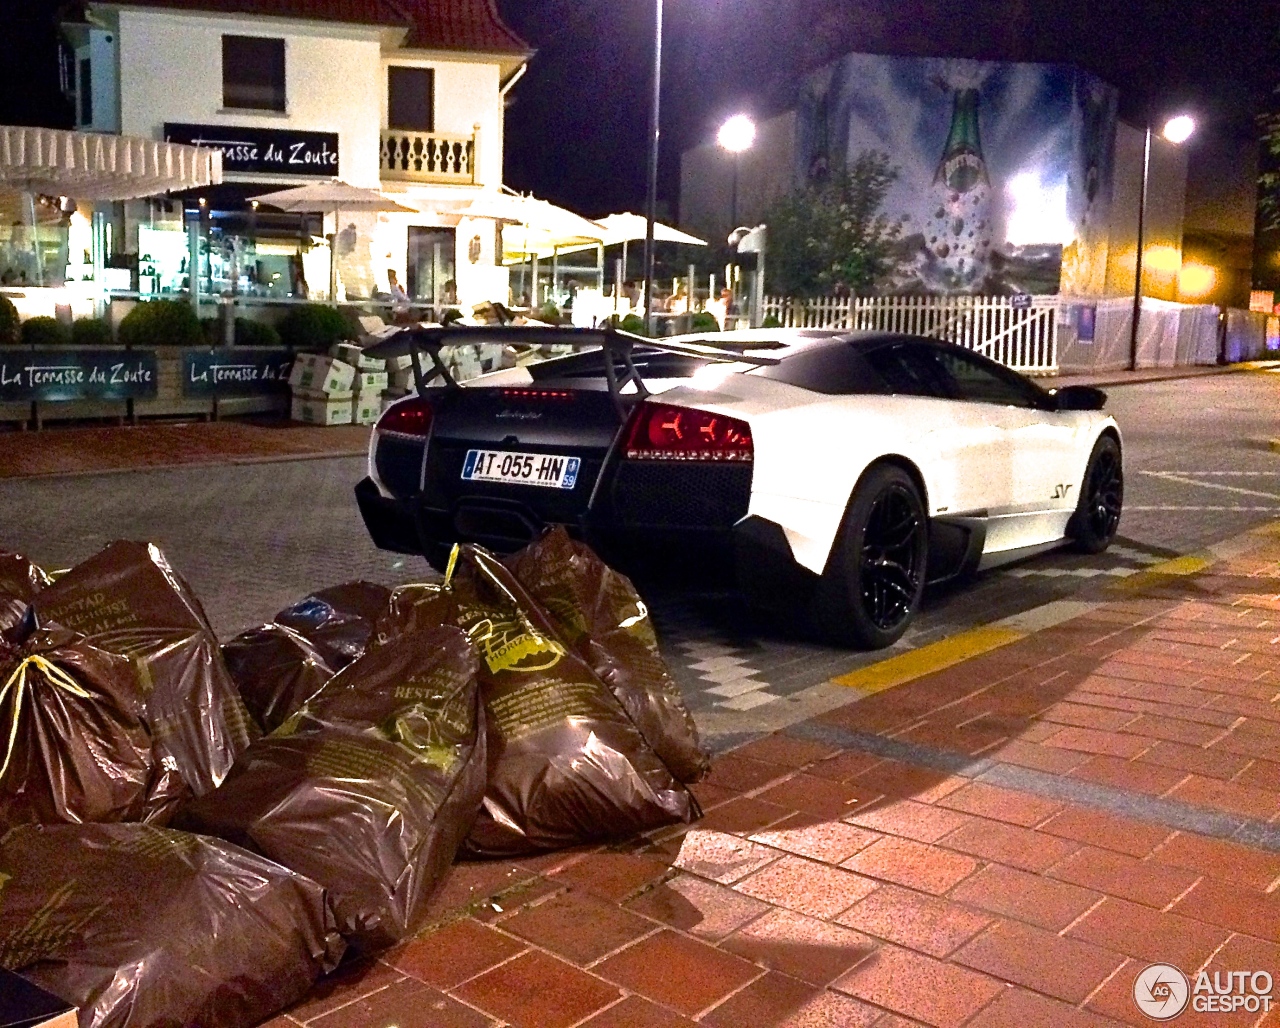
(960, 228)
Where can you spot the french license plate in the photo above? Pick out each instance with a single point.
(542, 469)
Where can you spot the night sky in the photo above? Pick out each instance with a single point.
(577, 127)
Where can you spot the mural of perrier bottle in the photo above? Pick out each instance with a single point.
(959, 231)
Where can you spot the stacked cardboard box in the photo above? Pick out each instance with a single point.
(322, 389)
(368, 383)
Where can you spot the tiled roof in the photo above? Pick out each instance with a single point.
(357, 12)
(461, 25)
(432, 24)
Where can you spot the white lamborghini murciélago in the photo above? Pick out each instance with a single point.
(833, 472)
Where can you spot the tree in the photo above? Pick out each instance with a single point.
(834, 235)
(1269, 179)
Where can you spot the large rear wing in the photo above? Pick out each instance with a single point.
(416, 341)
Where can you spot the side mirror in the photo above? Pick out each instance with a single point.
(1079, 397)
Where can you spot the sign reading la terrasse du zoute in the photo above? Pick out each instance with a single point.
(266, 150)
(51, 375)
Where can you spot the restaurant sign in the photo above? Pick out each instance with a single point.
(56, 374)
(235, 371)
(267, 150)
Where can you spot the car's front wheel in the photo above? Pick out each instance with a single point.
(1097, 516)
(874, 579)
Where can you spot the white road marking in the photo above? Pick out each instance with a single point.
(1131, 508)
(730, 690)
(1166, 476)
(1242, 474)
(1047, 615)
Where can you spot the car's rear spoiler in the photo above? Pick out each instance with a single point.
(415, 340)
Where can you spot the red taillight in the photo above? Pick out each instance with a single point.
(660, 431)
(408, 417)
(537, 394)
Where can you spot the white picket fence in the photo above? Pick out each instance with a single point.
(1021, 337)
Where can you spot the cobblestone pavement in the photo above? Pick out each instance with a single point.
(1008, 842)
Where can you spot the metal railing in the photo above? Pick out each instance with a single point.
(1019, 332)
(427, 157)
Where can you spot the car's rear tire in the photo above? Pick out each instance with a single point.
(876, 573)
(1097, 518)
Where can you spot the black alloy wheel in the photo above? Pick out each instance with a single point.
(1097, 517)
(876, 573)
(892, 568)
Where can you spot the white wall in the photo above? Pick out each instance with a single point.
(171, 70)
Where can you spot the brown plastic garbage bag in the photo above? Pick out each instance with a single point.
(279, 666)
(73, 746)
(601, 617)
(276, 670)
(20, 580)
(566, 763)
(371, 787)
(338, 621)
(143, 927)
(127, 599)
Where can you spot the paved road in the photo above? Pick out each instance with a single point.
(252, 539)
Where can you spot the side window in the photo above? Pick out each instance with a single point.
(980, 381)
(910, 371)
(253, 73)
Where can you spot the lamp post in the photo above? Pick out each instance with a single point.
(651, 200)
(736, 136)
(1177, 130)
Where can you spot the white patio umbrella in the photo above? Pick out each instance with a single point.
(332, 197)
(534, 228)
(628, 227)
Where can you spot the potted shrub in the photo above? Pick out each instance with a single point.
(256, 333)
(9, 329)
(161, 323)
(44, 332)
(315, 326)
(705, 321)
(91, 333)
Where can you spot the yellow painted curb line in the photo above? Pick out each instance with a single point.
(1179, 567)
(1188, 565)
(928, 659)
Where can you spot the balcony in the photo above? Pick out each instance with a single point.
(409, 156)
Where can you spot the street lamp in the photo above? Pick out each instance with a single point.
(736, 136)
(651, 200)
(1177, 130)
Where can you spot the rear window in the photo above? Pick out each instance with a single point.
(837, 369)
(591, 365)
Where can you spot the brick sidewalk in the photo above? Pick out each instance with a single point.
(69, 451)
(1007, 842)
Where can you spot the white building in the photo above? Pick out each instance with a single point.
(406, 96)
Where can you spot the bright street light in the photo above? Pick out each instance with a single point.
(737, 134)
(1179, 129)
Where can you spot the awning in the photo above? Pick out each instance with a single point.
(96, 166)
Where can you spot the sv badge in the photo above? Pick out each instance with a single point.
(1060, 491)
